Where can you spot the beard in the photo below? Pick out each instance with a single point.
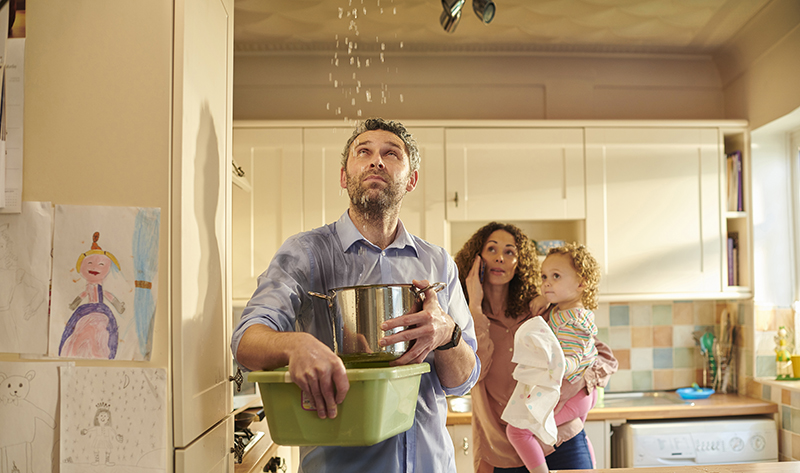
(372, 202)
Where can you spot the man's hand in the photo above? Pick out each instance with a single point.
(320, 374)
(312, 365)
(475, 286)
(429, 328)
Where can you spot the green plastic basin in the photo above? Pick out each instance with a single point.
(380, 404)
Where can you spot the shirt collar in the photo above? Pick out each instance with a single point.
(349, 235)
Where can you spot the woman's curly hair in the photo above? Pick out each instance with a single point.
(523, 287)
(586, 267)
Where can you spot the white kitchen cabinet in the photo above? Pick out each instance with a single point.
(136, 99)
(272, 209)
(515, 174)
(653, 217)
(461, 434)
(293, 173)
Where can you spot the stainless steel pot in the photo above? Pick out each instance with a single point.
(357, 313)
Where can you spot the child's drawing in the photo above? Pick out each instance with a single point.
(28, 404)
(91, 332)
(102, 434)
(113, 419)
(24, 278)
(105, 262)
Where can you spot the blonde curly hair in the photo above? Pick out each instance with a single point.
(523, 286)
(587, 268)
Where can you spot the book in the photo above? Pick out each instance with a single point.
(735, 181)
(733, 259)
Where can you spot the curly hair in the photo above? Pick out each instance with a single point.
(523, 286)
(586, 267)
(371, 124)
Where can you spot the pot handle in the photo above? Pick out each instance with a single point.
(322, 296)
(437, 286)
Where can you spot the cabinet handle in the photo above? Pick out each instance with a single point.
(456, 199)
(465, 446)
(238, 378)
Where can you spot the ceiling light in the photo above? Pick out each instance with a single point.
(484, 9)
(451, 15)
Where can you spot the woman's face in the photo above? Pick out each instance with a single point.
(95, 268)
(500, 256)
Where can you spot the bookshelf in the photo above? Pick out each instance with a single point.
(737, 209)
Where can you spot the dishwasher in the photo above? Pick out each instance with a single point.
(712, 441)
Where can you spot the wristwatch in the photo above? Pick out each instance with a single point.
(454, 340)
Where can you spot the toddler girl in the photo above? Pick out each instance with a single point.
(570, 277)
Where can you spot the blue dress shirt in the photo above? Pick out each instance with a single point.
(337, 255)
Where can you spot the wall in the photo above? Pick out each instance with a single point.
(483, 86)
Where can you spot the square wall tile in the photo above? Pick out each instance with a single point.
(623, 357)
(641, 315)
(662, 314)
(786, 417)
(641, 358)
(683, 357)
(765, 319)
(620, 381)
(662, 358)
(602, 335)
(619, 337)
(601, 315)
(682, 313)
(619, 316)
(765, 366)
(704, 313)
(642, 380)
(683, 336)
(765, 343)
(662, 336)
(662, 379)
(684, 377)
(642, 336)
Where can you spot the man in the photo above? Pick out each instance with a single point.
(282, 325)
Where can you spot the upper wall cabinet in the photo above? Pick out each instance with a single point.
(653, 210)
(515, 174)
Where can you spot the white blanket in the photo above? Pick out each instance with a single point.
(540, 368)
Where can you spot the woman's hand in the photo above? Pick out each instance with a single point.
(475, 286)
(539, 306)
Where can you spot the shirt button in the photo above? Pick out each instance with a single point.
(510, 349)
(383, 253)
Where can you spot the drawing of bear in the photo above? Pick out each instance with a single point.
(16, 410)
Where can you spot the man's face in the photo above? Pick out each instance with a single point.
(377, 174)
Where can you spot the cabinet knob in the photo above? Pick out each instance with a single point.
(465, 446)
(238, 378)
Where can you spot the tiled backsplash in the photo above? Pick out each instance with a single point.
(654, 342)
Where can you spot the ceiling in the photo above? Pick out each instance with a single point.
(593, 26)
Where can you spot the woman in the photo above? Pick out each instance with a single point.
(499, 271)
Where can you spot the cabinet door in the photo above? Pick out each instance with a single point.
(199, 230)
(211, 453)
(653, 209)
(272, 210)
(462, 442)
(325, 201)
(515, 174)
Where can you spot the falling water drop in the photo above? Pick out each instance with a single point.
(401, 98)
(358, 63)
(353, 101)
(330, 76)
(401, 45)
(337, 63)
(328, 106)
(359, 84)
(341, 11)
(383, 46)
(354, 76)
(369, 95)
(336, 83)
(352, 60)
(382, 57)
(367, 63)
(394, 11)
(359, 112)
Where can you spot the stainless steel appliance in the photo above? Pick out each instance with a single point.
(711, 441)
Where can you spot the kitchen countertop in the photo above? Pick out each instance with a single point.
(717, 405)
(776, 467)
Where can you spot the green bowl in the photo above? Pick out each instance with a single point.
(381, 403)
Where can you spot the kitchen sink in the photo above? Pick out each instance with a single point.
(640, 399)
(459, 403)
